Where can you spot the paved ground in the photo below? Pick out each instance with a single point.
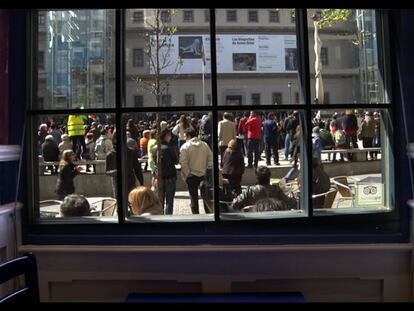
(182, 200)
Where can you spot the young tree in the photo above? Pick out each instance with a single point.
(324, 18)
(158, 38)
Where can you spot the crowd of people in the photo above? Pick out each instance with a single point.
(187, 141)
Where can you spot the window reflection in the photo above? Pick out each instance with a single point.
(349, 168)
(76, 59)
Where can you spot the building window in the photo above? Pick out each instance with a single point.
(40, 101)
(138, 58)
(277, 98)
(231, 16)
(296, 98)
(253, 17)
(166, 100)
(188, 16)
(138, 101)
(138, 17)
(255, 98)
(41, 19)
(326, 98)
(166, 16)
(206, 16)
(189, 99)
(324, 56)
(274, 16)
(41, 60)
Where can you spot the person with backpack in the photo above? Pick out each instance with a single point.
(327, 139)
(350, 128)
(316, 144)
(290, 124)
(340, 143)
(103, 145)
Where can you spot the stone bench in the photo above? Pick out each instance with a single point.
(359, 153)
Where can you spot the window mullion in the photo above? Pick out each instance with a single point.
(214, 116)
(304, 80)
(119, 100)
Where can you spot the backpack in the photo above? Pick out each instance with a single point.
(100, 147)
(326, 137)
(340, 138)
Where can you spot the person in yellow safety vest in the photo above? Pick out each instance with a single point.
(76, 134)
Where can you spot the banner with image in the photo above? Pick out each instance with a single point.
(187, 54)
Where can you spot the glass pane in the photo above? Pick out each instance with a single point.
(260, 163)
(256, 56)
(72, 156)
(168, 56)
(174, 170)
(76, 66)
(352, 166)
(344, 57)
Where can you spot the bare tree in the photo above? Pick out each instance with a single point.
(158, 37)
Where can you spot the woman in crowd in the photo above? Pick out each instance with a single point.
(67, 172)
(233, 166)
(144, 201)
(179, 129)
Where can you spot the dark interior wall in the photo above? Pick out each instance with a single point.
(4, 92)
(403, 52)
(15, 97)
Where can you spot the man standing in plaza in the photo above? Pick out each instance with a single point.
(254, 136)
(167, 177)
(195, 158)
(271, 138)
(76, 134)
(226, 132)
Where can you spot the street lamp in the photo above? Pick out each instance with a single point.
(290, 92)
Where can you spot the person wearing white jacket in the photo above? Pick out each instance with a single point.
(226, 132)
(195, 158)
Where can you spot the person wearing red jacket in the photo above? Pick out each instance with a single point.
(241, 132)
(253, 128)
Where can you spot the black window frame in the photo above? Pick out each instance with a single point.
(382, 227)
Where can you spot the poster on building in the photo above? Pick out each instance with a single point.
(190, 54)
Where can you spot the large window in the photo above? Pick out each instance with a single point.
(160, 125)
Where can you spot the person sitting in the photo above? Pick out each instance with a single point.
(320, 183)
(144, 201)
(75, 205)
(263, 189)
(270, 204)
(233, 166)
(50, 152)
